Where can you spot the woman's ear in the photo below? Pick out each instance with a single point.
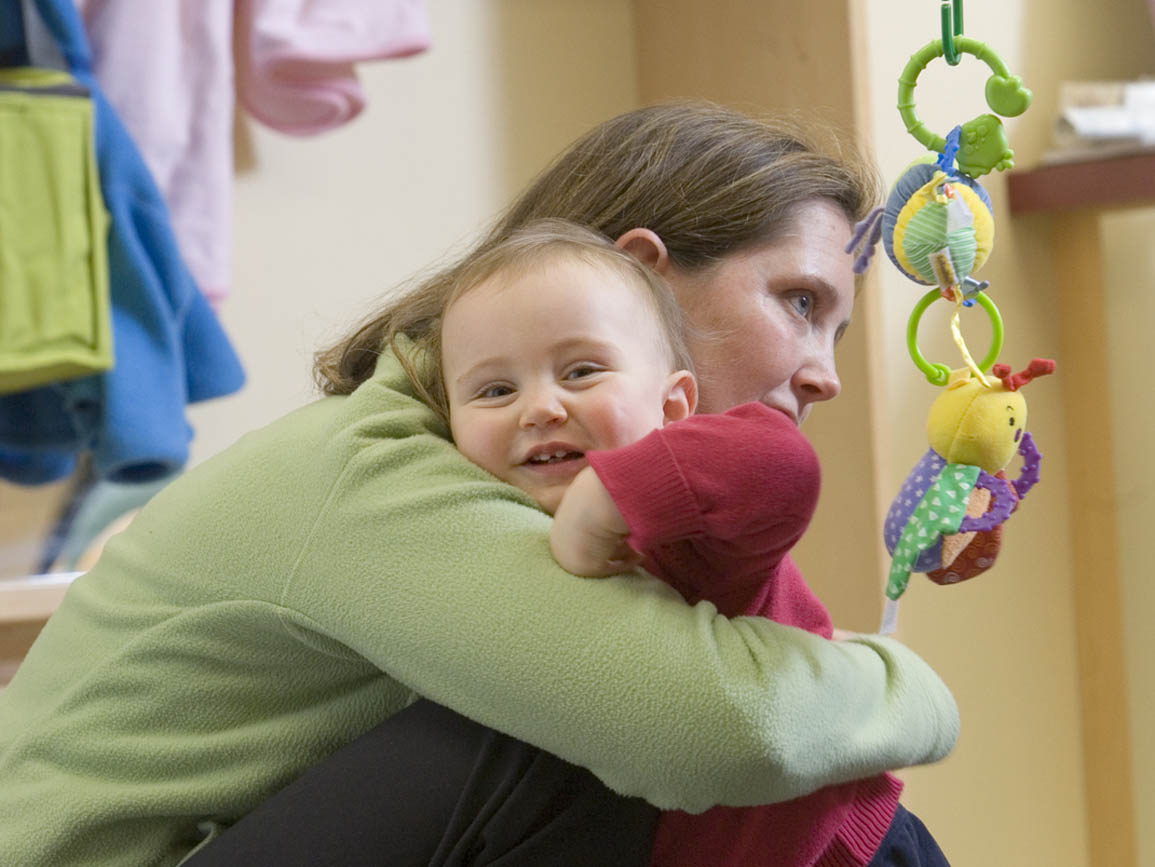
(645, 246)
(681, 396)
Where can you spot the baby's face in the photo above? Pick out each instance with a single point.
(543, 366)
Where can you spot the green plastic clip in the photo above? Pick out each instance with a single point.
(938, 374)
(952, 26)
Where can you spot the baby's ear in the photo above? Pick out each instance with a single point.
(645, 246)
(681, 396)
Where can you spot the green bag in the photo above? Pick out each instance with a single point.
(54, 303)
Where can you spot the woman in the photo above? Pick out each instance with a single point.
(288, 595)
(732, 212)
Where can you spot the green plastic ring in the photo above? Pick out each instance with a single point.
(938, 374)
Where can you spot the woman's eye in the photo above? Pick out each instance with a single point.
(803, 303)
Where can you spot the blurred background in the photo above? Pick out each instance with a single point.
(1049, 654)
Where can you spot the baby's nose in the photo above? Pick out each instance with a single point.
(543, 407)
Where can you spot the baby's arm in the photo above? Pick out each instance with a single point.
(588, 534)
(736, 488)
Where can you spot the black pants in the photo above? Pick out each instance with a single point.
(430, 787)
(908, 844)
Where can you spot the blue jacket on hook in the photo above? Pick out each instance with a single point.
(170, 350)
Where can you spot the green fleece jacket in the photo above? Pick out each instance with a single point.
(303, 585)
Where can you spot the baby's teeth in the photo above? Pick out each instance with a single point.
(545, 458)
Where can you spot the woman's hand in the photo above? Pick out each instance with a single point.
(588, 536)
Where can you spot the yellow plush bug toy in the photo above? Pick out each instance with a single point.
(947, 518)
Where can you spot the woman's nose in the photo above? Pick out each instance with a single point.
(542, 407)
(818, 380)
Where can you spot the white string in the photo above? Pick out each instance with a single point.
(889, 618)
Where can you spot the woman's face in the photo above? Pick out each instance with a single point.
(770, 316)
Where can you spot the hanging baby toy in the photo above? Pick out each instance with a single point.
(937, 227)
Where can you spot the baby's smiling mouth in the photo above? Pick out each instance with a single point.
(556, 457)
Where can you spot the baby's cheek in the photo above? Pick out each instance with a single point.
(615, 429)
(476, 439)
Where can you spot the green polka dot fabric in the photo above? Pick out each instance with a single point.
(932, 518)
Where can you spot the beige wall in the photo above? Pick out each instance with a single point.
(1130, 283)
(325, 226)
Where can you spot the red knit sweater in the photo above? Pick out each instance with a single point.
(715, 503)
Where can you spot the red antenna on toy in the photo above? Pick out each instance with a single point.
(1038, 367)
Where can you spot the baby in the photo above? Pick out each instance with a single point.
(562, 369)
(567, 347)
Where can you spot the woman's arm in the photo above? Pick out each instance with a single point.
(442, 576)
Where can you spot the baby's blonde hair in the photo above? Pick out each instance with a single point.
(417, 315)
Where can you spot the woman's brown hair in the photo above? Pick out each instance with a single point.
(707, 180)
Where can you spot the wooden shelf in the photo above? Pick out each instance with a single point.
(32, 599)
(1096, 184)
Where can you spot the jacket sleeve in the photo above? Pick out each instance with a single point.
(442, 576)
(739, 487)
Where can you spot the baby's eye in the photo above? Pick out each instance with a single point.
(581, 371)
(495, 391)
